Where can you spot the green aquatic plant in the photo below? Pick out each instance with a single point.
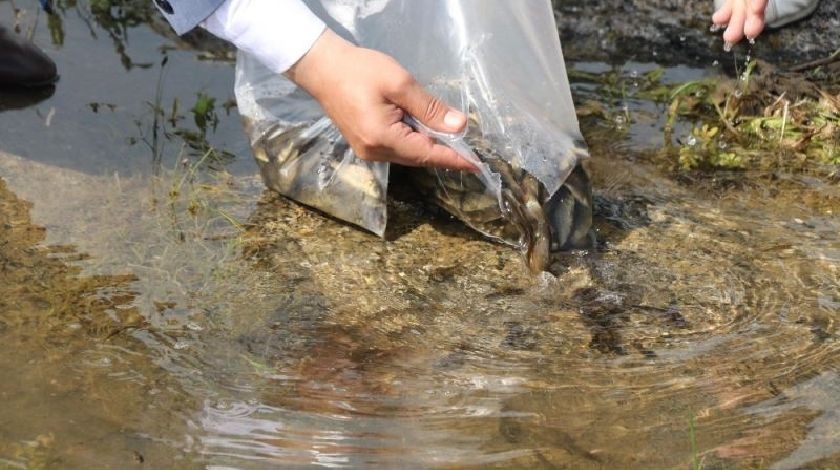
(164, 124)
(204, 112)
(762, 119)
(206, 119)
(613, 92)
(765, 120)
(621, 84)
(703, 147)
(692, 438)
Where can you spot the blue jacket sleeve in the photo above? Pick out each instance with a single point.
(185, 15)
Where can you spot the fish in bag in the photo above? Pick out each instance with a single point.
(499, 62)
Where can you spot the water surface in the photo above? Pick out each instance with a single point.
(157, 311)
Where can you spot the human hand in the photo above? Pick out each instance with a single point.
(743, 17)
(365, 93)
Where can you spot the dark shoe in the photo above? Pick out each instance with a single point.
(12, 97)
(22, 63)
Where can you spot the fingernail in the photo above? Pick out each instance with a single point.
(454, 119)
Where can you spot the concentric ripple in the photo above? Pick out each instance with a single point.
(703, 327)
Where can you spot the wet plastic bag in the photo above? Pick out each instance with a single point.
(500, 62)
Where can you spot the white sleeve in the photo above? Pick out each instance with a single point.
(276, 32)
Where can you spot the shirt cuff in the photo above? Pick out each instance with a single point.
(277, 32)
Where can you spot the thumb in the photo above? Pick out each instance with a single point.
(428, 109)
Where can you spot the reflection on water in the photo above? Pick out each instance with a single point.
(814, 397)
(190, 319)
(21, 98)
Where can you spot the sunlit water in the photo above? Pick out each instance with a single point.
(192, 319)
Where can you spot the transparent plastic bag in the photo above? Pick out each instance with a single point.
(498, 61)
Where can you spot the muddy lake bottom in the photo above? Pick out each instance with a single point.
(159, 312)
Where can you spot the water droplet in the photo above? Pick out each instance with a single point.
(682, 38)
(751, 40)
(738, 93)
(715, 28)
(716, 63)
(620, 121)
(634, 74)
(727, 46)
(692, 141)
(181, 345)
(194, 326)
(722, 145)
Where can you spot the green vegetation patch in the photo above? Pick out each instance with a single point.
(765, 119)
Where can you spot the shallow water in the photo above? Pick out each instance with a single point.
(155, 311)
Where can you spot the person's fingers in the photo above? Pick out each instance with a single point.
(754, 26)
(755, 18)
(758, 7)
(735, 31)
(721, 17)
(414, 149)
(428, 109)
